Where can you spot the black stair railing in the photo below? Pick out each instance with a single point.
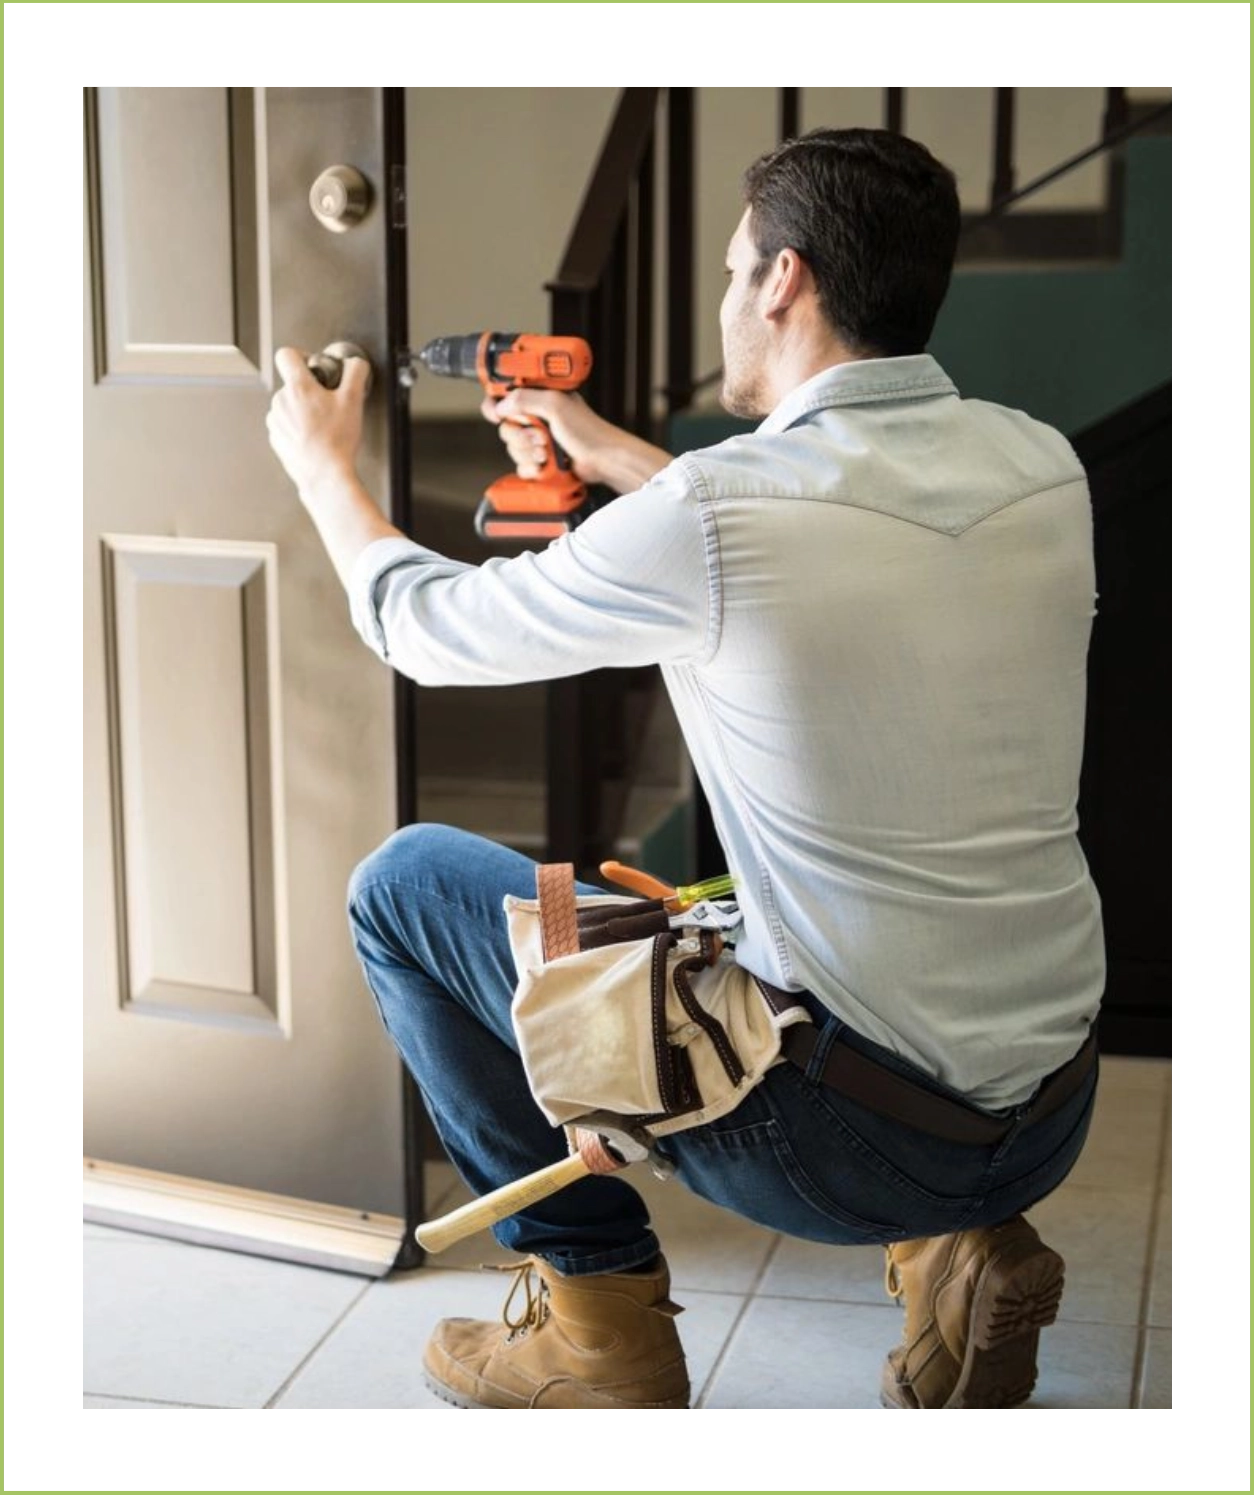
(604, 291)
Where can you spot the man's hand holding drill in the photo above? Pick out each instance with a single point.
(599, 451)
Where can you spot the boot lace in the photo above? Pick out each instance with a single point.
(535, 1308)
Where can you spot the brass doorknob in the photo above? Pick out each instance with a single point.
(339, 198)
(327, 367)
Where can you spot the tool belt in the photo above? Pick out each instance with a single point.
(621, 1017)
(618, 1012)
(891, 1094)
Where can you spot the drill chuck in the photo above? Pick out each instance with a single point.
(458, 357)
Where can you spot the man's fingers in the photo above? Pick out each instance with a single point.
(290, 362)
(355, 378)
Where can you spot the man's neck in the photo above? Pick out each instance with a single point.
(801, 361)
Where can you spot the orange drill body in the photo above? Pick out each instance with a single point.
(517, 508)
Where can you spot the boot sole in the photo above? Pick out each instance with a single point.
(1016, 1298)
(467, 1406)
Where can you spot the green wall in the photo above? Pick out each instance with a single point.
(1067, 345)
(1072, 345)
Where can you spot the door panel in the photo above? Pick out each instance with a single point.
(191, 641)
(177, 172)
(238, 736)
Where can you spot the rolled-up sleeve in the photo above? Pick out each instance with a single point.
(630, 586)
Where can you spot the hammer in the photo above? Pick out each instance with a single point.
(606, 1143)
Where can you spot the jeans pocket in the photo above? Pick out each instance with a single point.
(829, 1191)
(929, 1178)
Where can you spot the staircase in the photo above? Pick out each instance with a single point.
(590, 768)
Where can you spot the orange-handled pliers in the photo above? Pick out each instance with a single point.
(674, 899)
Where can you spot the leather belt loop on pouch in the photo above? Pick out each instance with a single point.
(559, 926)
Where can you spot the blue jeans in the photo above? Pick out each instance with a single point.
(795, 1156)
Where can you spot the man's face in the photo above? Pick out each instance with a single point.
(745, 342)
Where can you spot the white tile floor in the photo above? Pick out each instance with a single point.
(770, 1322)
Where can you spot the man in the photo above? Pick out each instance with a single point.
(872, 616)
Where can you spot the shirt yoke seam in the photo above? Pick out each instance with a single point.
(713, 563)
(851, 503)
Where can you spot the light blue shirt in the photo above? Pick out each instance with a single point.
(872, 616)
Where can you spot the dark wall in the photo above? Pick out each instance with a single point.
(1125, 788)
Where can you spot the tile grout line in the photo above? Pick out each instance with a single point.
(732, 1332)
(313, 1350)
(1151, 1249)
(160, 1402)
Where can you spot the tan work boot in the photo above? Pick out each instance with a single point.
(605, 1340)
(976, 1302)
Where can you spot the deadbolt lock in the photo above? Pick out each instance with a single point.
(340, 198)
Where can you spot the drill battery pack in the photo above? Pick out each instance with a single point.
(516, 508)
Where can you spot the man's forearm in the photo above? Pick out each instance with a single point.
(630, 461)
(346, 517)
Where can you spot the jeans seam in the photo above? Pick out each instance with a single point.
(395, 882)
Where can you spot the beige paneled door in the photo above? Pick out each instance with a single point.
(239, 753)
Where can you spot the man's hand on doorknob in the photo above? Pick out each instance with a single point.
(316, 432)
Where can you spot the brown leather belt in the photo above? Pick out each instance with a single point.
(881, 1090)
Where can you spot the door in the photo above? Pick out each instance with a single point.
(239, 756)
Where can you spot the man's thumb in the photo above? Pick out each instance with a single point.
(290, 362)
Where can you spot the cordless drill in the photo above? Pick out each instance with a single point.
(515, 508)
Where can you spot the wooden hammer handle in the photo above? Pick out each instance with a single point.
(435, 1236)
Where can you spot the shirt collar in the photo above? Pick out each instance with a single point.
(917, 376)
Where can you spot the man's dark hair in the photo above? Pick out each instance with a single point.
(875, 217)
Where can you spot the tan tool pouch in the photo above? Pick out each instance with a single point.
(617, 1012)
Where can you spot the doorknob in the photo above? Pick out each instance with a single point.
(327, 367)
(339, 198)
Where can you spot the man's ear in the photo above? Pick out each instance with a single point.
(784, 283)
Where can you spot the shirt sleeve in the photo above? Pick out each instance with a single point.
(630, 586)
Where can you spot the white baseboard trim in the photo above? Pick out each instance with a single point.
(240, 1220)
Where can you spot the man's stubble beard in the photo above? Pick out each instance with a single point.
(744, 372)
(743, 400)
